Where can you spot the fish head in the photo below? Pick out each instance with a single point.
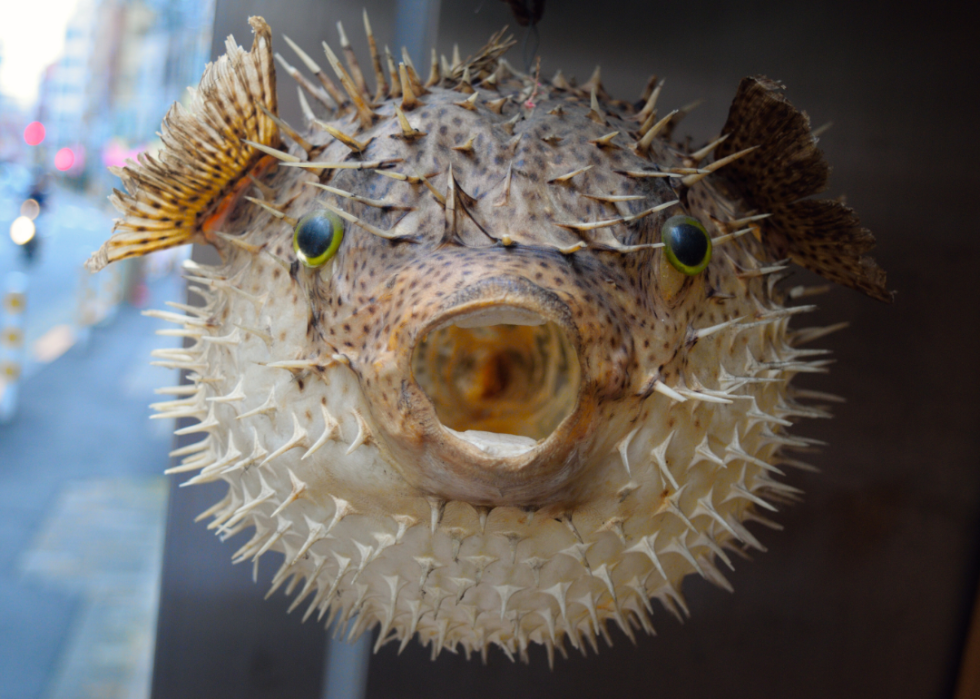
(505, 310)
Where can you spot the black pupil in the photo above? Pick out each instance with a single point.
(688, 244)
(314, 236)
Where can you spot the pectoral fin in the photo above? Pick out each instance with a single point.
(172, 198)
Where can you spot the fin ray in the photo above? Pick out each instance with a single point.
(778, 177)
(170, 197)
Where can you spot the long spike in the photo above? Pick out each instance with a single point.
(305, 84)
(432, 190)
(805, 335)
(716, 165)
(275, 212)
(572, 249)
(331, 430)
(640, 174)
(469, 103)
(465, 83)
(685, 110)
(406, 58)
(722, 239)
(497, 106)
(364, 113)
(363, 431)
(595, 113)
(237, 242)
(560, 82)
(700, 155)
(362, 200)
(285, 268)
(365, 225)
(605, 141)
(293, 365)
(381, 88)
(643, 145)
(352, 64)
(409, 102)
(801, 290)
(417, 85)
(348, 165)
(409, 132)
(396, 85)
(705, 332)
(305, 106)
(821, 130)
(592, 225)
(613, 198)
(651, 104)
(466, 147)
(645, 126)
(509, 125)
(739, 222)
(349, 141)
(660, 387)
(595, 81)
(329, 85)
(648, 88)
(569, 175)
(505, 197)
(287, 129)
(401, 176)
(435, 76)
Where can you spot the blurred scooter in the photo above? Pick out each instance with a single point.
(23, 231)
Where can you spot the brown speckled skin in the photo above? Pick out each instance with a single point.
(374, 300)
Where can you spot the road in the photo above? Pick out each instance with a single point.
(82, 501)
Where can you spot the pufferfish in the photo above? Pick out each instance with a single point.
(490, 360)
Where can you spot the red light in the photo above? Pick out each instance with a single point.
(64, 159)
(34, 133)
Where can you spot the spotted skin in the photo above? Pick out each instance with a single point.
(672, 398)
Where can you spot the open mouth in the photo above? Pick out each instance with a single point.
(501, 378)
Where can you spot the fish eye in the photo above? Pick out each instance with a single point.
(317, 237)
(687, 244)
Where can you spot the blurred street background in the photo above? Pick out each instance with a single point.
(83, 86)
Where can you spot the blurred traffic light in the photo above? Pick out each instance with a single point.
(64, 159)
(22, 230)
(34, 133)
(30, 208)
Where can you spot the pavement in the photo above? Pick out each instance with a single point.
(82, 501)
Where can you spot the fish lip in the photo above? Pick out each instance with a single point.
(456, 467)
(515, 292)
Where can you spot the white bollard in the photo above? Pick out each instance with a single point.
(14, 303)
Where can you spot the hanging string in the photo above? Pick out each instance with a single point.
(532, 30)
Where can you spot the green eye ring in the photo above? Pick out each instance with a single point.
(686, 244)
(317, 237)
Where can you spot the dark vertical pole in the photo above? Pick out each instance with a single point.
(416, 28)
(346, 670)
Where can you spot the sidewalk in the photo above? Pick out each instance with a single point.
(81, 515)
(70, 227)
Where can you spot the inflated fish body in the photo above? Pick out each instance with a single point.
(490, 360)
